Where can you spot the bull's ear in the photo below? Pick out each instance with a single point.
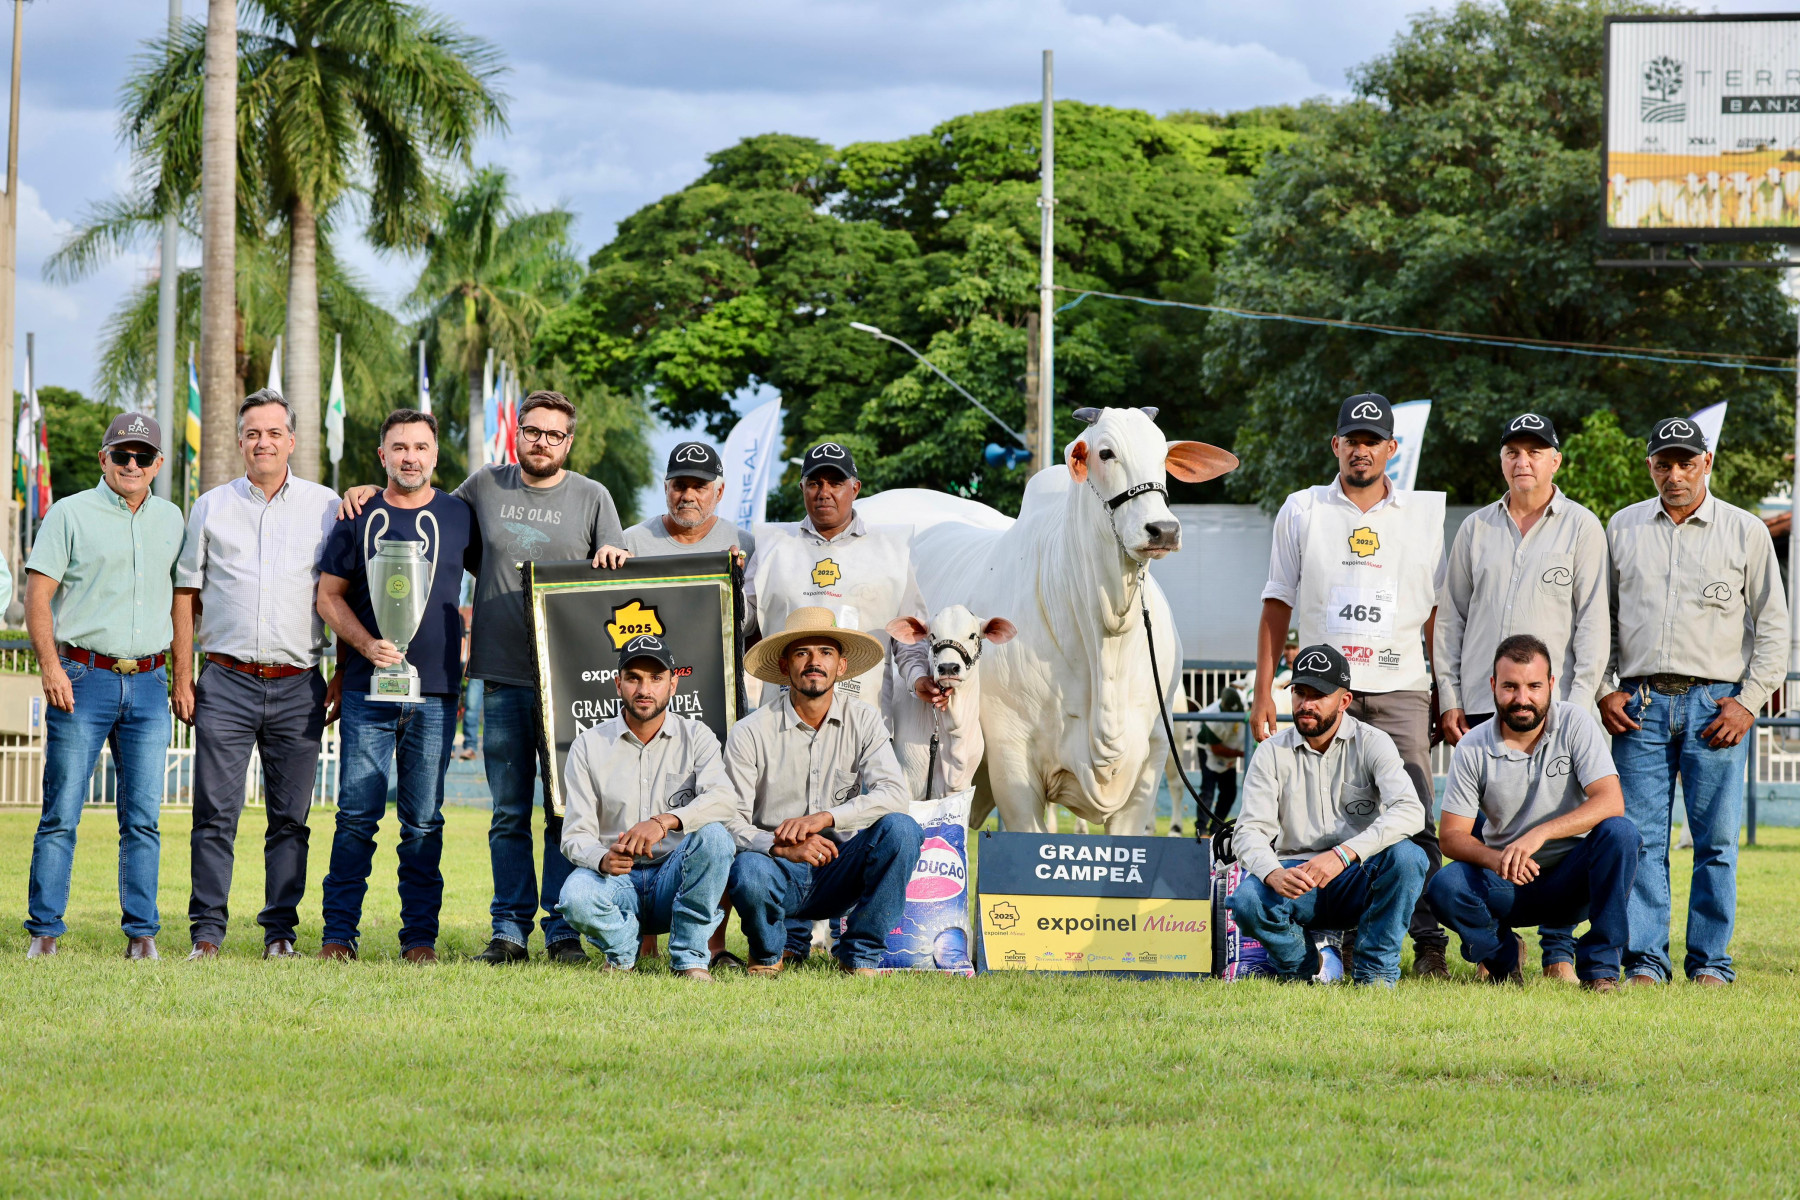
(1197, 462)
(998, 630)
(1150, 412)
(907, 630)
(1078, 461)
(1087, 416)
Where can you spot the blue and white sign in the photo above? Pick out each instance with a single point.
(1409, 431)
(752, 464)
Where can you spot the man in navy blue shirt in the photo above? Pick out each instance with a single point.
(414, 737)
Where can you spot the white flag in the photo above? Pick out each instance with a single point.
(1409, 431)
(1711, 421)
(26, 441)
(334, 406)
(752, 463)
(275, 368)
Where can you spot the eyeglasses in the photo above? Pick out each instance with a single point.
(550, 437)
(143, 458)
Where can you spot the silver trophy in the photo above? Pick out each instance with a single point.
(401, 574)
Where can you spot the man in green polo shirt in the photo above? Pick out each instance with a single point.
(99, 597)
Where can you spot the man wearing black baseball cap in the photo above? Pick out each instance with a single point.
(1322, 834)
(832, 560)
(693, 485)
(1700, 643)
(1357, 564)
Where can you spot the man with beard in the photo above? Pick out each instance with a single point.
(1534, 562)
(412, 738)
(810, 770)
(646, 792)
(1557, 848)
(532, 510)
(1322, 834)
(1700, 643)
(692, 486)
(1358, 563)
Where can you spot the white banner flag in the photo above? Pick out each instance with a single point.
(334, 405)
(752, 464)
(1409, 431)
(1711, 421)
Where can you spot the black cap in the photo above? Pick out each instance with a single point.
(694, 460)
(1321, 668)
(1535, 425)
(1367, 413)
(646, 645)
(829, 454)
(133, 427)
(1676, 433)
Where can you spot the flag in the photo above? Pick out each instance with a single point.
(275, 368)
(334, 406)
(751, 453)
(502, 443)
(25, 446)
(424, 382)
(191, 452)
(1711, 421)
(42, 490)
(1409, 430)
(34, 435)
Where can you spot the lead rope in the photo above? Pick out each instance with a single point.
(1216, 821)
(931, 763)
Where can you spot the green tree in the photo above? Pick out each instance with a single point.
(1603, 466)
(1456, 190)
(330, 93)
(77, 427)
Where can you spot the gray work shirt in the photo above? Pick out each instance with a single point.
(651, 539)
(1299, 802)
(1702, 598)
(1517, 791)
(782, 768)
(570, 519)
(255, 561)
(612, 781)
(1550, 582)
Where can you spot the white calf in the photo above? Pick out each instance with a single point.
(956, 636)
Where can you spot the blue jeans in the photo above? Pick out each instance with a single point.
(472, 711)
(415, 740)
(1556, 943)
(1591, 883)
(1375, 897)
(1650, 761)
(129, 713)
(678, 896)
(509, 751)
(867, 879)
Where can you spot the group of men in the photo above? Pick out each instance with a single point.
(269, 568)
(1669, 628)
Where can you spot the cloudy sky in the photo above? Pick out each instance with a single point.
(614, 104)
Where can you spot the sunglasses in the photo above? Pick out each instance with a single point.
(143, 458)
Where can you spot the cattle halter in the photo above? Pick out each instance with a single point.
(1135, 490)
(969, 660)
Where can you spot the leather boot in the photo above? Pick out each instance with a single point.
(141, 947)
(41, 947)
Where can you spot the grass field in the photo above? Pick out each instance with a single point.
(240, 1077)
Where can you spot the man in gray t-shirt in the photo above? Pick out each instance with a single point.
(692, 486)
(1557, 847)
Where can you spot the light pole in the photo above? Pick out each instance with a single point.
(888, 337)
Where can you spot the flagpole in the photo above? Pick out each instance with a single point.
(31, 464)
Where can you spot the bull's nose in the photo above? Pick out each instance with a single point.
(1164, 535)
(949, 668)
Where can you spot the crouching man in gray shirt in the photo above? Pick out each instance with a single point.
(645, 794)
(1557, 847)
(1327, 809)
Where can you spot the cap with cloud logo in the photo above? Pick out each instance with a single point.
(694, 460)
(646, 645)
(1676, 433)
(1366, 413)
(833, 455)
(1531, 425)
(1322, 668)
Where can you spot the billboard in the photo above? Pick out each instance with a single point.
(1701, 129)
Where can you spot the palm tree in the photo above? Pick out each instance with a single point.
(218, 153)
(492, 273)
(334, 96)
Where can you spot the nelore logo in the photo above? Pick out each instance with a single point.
(693, 452)
(828, 450)
(1368, 410)
(1662, 83)
(1677, 428)
(941, 873)
(1315, 663)
(1528, 421)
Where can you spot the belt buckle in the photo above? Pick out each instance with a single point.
(1671, 685)
(125, 666)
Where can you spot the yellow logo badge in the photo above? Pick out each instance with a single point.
(397, 586)
(825, 573)
(632, 620)
(1363, 542)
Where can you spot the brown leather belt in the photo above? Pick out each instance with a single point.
(1676, 685)
(121, 666)
(260, 670)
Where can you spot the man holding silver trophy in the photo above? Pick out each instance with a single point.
(389, 583)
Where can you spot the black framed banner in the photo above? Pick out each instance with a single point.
(1138, 906)
(580, 618)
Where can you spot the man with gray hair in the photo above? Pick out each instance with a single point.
(246, 578)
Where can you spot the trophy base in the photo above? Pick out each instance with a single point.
(395, 689)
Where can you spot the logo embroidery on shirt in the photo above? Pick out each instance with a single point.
(1561, 576)
(1559, 767)
(1717, 591)
(825, 573)
(682, 797)
(632, 620)
(1360, 808)
(1363, 542)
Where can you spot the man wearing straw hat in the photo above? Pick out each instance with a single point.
(810, 770)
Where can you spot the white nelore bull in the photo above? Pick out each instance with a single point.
(956, 637)
(1069, 707)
